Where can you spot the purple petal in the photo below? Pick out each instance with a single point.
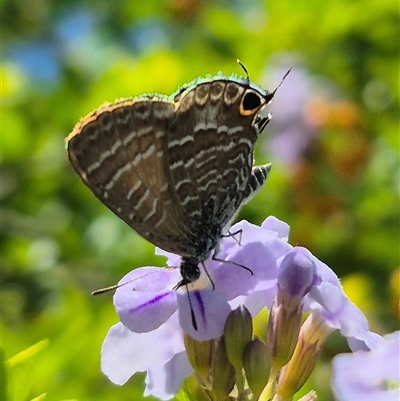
(165, 381)
(325, 272)
(255, 301)
(210, 310)
(150, 279)
(365, 341)
(146, 300)
(125, 353)
(254, 233)
(235, 280)
(145, 311)
(258, 251)
(297, 273)
(340, 313)
(369, 376)
(281, 228)
(173, 260)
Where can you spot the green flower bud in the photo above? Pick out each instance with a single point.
(200, 356)
(223, 373)
(238, 332)
(257, 365)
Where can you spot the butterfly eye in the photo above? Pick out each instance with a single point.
(251, 102)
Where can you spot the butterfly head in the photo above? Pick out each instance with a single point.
(190, 272)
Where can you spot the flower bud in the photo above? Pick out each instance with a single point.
(296, 276)
(312, 336)
(200, 356)
(223, 373)
(283, 330)
(238, 332)
(257, 365)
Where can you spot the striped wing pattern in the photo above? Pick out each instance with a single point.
(118, 152)
(176, 170)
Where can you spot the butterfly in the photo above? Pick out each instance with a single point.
(176, 168)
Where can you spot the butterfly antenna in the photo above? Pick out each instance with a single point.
(244, 69)
(283, 78)
(112, 287)
(106, 289)
(193, 316)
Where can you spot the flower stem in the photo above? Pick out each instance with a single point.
(239, 382)
(270, 389)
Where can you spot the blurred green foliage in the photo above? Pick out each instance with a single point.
(58, 243)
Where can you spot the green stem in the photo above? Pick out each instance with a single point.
(239, 383)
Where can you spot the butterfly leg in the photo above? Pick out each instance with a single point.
(232, 235)
(233, 263)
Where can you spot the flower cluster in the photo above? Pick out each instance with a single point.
(221, 358)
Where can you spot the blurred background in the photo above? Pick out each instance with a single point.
(333, 142)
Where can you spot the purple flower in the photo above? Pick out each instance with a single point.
(328, 302)
(146, 298)
(160, 352)
(330, 305)
(154, 317)
(297, 274)
(300, 274)
(369, 375)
